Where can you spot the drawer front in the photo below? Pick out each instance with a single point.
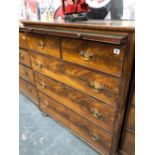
(99, 56)
(26, 73)
(24, 57)
(100, 86)
(93, 110)
(131, 119)
(22, 40)
(28, 89)
(84, 128)
(44, 44)
(128, 145)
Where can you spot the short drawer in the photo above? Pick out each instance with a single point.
(131, 119)
(100, 86)
(101, 114)
(128, 144)
(28, 89)
(84, 128)
(24, 57)
(44, 44)
(99, 56)
(26, 73)
(22, 40)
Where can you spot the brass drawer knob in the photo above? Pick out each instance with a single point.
(86, 55)
(79, 35)
(96, 86)
(45, 105)
(26, 73)
(21, 56)
(43, 85)
(42, 44)
(39, 64)
(29, 88)
(23, 37)
(95, 113)
(94, 137)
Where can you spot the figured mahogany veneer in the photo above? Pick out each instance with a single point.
(100, 56)
(29, 90)
(89, 131)
(79, 74)
(24, 57)
(23, 40)
(26, 73)
(44, 44)
(94, 110)
(97, 85)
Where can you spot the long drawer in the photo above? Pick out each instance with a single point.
(44, 44)
(84, 128)
(26, 73)
(100, 86)
(28, 89)
(24, 57)
(93, 110)
(99, 56)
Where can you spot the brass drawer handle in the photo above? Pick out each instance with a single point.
(86, 55)
(23, 37)
(43, 85)
(21, 56)
(94, 137)
(45, 105)
(39, 64)
(26, 73)
(79, 35)
(29, 88)
(95, 113)
(96, 86)
(42, 44)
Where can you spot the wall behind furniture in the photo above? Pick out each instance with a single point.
(44, 10)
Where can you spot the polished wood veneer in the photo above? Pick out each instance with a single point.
(79, 74)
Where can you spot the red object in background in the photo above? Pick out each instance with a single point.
(75, 6)
(33, 5)
(71, 7)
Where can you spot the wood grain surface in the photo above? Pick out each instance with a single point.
(24, 57)
(26, 73)
(83, 75)
(44, 44)
(28, 89)
(100, 86)
(99, 113)
(22, 40)
(86, 129)
(99, 56)
(128, 146)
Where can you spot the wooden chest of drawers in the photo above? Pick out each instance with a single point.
(79, 75)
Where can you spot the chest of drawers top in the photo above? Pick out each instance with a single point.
(97, 45)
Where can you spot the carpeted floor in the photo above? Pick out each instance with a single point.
(41, 135)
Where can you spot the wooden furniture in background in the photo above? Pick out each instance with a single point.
(79, 74)
(127, 144)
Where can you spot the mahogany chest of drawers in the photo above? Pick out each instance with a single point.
(79, 74)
